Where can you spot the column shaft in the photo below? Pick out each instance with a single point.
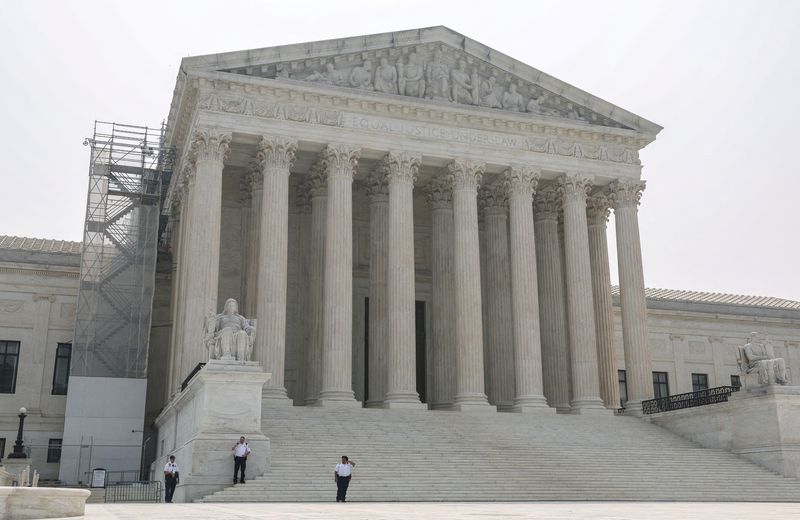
(580, 307)
(378, 193)
(597, 214)
(210, 147)
(552, 305)
(256, 182)
(439, 197)
(316, 282)
(466, 176)
(175, 305)
(401, 171)
(340, 162)
(498, 326)
(626, 196)
(524, 292)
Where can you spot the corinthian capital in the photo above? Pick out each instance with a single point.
(302, 197)
(317, 180)
(598, 208)
(493, 199)
(402, 166)
(547, 204)
(625, 193)
(439, 193)
(340, 160)
(378, 184)
(522, 180)
(465, 173)
(210, 144)
(276, 153)
(255, 175)
(574, 187)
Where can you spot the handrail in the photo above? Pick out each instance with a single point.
(191, 375)
(718, 394)
(134, 491)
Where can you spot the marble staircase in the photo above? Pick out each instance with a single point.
(420, 455)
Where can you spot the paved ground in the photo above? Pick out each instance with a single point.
(447, 511)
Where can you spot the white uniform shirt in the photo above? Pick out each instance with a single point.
(171, 467)
(241, 450)
(344, 470)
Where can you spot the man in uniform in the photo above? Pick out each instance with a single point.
(240, 452)
(170, 479)
(342, 475)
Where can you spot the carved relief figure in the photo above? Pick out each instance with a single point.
(438, 78)
(757, 356)
(512, 100)
(330, 76)
(229, 335)
(412, 77)
(386, 77)
(361, 77)
(476, 83)
(461, 89)
(489, 94)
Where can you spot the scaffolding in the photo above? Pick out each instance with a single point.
(129, 171)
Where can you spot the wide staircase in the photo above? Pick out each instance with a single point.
(417, 455)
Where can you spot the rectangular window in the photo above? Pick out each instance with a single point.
(61, 371)
(699, 382)
(9, 360)
(660, 385)
(736, 382)
(54, 450)
(2, 447)
(623, 387)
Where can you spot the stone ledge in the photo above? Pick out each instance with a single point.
(19, 503)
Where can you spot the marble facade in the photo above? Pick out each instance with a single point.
(404, 168)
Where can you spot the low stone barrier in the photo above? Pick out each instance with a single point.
(20, 503)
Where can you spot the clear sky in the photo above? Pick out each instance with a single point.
(722, 78)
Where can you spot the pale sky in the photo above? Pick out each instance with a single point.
(721, 77)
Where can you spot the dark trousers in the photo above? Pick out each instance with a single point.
(169, 488)
(239, 462)
(341, 488)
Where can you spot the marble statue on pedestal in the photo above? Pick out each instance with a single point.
(229, 335)
(756, 357)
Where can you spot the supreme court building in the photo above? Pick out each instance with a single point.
(411, 218)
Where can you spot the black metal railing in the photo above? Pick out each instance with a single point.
(191, 375)
(135, 491)
(719, 394)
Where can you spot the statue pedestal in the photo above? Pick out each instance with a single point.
(201, 424)
(15, 467)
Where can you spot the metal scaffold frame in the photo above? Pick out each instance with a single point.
(129, 170)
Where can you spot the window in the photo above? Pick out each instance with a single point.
(2, 447)
(660, 385)
(699, 382)
(54, 450)
(61, 371)
(623, 388)
(736, 382)
(9, 359)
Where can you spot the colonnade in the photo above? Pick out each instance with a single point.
(549, 322)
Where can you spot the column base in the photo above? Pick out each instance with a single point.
(473, 402)
(634, 408)
(531, 404)
(373, 404)
(404, 405)
(337, 399)
(589, 406)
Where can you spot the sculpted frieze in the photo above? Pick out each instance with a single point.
(435, 72)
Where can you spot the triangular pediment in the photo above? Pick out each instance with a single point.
(434, 64)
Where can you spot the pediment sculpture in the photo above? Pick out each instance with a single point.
(229, 335)
(758, 364)
(435, 72)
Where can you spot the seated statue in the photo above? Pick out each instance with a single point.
(229, 335)
(756, 357)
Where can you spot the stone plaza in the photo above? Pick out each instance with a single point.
(407, 230)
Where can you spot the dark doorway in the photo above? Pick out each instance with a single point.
(419, 312)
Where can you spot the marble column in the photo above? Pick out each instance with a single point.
(175, 248)
(401, 367)
(340, 164)
(597, 212)
(318, 190)
(580, 305)
(179, 325)
(552, 299)
(276, 155)
(255, 182)
(209, 147)
(439, 195)
(470, 394)
(521, 182)
(378, 193)
(625, 195)
(298, 321)
(499, 334)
